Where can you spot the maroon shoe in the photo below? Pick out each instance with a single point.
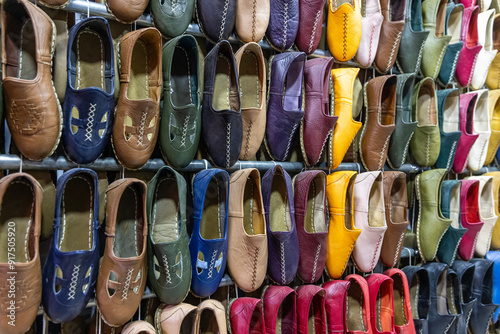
(280, 309)
(317, 124)
(246, 315)
(335, 305)
(310, 24)
(311, 309)
(381, 303)
(311, 223)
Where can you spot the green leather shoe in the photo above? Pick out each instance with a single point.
(180, 121)
(449, 126)
(405, 125)
(450, 207)
(172, 17)
(434, 16)
(425, 143)
(169, 261)
(431, 224)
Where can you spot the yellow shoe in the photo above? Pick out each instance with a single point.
(494, 143)
(343, 29)
(495, 235)
(342, 234)
(346, 128)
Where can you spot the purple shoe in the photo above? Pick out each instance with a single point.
(284, 106)
(283, 24)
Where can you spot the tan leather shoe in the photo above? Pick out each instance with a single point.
(138, 327)
(175, 319)
(21, 201)
(33, 112)
(494, 108)
(137, 115)
(252, 18)
(122, 275)
(126, 11)
(210, 318)
(247, 238)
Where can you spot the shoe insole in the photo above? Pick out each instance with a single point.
(253, 219)
(398, 201)
(222, 84)
(451, 113)
(27, 52)
(348, 205)
(376, 212)
(77, 215)
(314, 221)
(208, 323)
(213, 215)
(355, 321)
(249, 81)
(279, 214)
(414, 297)
(399, 302)
(284, 323)
(426, 115)
(165, 222)
(90, 58)
(455, 206)
(407, 92)
(455, 24)
(138, 87)
(311, 323)
(180, 78)
(470, 116)
(127, 233)
(452, 295)
(16, 221)
(293, 89)
(386, 116)
(339, 3)
(187, 323)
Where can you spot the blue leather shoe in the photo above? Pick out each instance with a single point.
(453, 28)
(70, 271)
(208, 245)
(448, 101)
(482, 290)
(495, 257)
(88, 108)
(418, 281)
(465, 275)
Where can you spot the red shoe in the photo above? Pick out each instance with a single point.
(357, 306)
(335, 305)
(403, 319)
(381, 303)
(311, 304)
(280, 301)
(246, 315)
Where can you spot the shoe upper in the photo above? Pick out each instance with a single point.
(311, 302)
(169, 319)
(246, 315)
(126, 11)
(70, 270)
(494, 256)
(465, 275)
(481, 127)
(216, 18)
(418, 281)
(172, 17)
(335, 305)
(495, 234)
(471, 219)
(449, 126)
(453, 28)
(467, 138)
(283, 24)
(344, 27)
(482, 290)
(487, 53)
(88, 106)
(358, 311)
(252, 28)
(142, 327)
(309, 25)
(381, 303)
(216, 314)
(371, 23)
(280, 309)
(494, 142)
(403, 318)
(471, 48)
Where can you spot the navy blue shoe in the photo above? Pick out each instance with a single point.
(70, 272)
(482, 290)
(465, 275)
(88, 108)
(208, 245)
(418, 281)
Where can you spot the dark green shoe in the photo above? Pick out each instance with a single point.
(449, 126)
(450, 207)
(180, 121)
(172, 17)
(405, 125)
(453, 28)
(169, 261)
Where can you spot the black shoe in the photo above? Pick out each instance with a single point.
(418, 281)
(482, 290)
(465, 273)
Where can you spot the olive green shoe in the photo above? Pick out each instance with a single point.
(431, 224)
(172, 17)
(426, 141)
(180, 120)
(169, 261)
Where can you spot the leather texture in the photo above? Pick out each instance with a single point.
(493, 77)
(431, 224)
(453, 297)
(310, 25)
(465, 276)
(217, 315)
(246, 315)
(344, 29)
(223, 150)
(448, 101)
(453, 28)
(284, 106)
(72, 270)
(369, 215)
(208, 244)
(390, 34)
(318, 124)
(280, 309)
(471, 220)
(467, 138)
(169, 319)
(412, 39)
(311, 309)
(137, 123)
(371, 23)
(418, 280)
(426, 141)
(247, 236)
(487, 53)
(450, 207)
(346, 127)
(141, 327)
(127, 12)
(482, 290)
(311, 221)
(252, 18)
(481, 127)
(283, 24)
(494, 116)
(180, 119)
(122, 274)
(216, 19)
(169, 261)
(282, 240)
(249, 59)
(396, 217)
(494, 256)
(336, 305)
(27, 281)
(358, 298)
(342, 233)
(170, 17)
(405, 124)
(381, 303)
(85, 136)
(495, 234)
(403, 319)
(471, 48)
(33, 112)
(434, 17)
(379, 121)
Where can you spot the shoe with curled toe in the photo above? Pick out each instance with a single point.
(470, 218)
(283, 24)
(403, 319)
(246, 315)
(310, 25)
(280, 309)
(358, 313)
(487, 53)
(210, 318)
(471, 48)
(371, 23)
(465, 276)
(453, 28)
(481, 127)
(449, 126)
(381, 303)
(418, 282)
(344, 28)
(311, 309)
(467, 138)
(482, 290)
(335, 305)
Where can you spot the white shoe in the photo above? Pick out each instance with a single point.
(487, 53)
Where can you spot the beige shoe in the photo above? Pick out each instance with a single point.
(210, 318)
(138, 327)
(175, 319)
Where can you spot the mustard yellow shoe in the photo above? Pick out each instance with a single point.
(493, 77)
(494, 143)
(343, 29)
(346, 128)
(495, 235)
(342, 234)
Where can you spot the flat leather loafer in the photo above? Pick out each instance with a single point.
(210, 317)
(470, 218)
(246, 315)
(336, 305)
(487, 53)
(283, 24)
(216, 19)
(344, 29)
(449, 126)
(495, 234)
(310, 25)
(480, 127)
(126, 11)
(89, 100)
(470, 50)
(170, 17)
(418, 281)
(482, 291)
(453, 28)
(465, 276)
(138, 327)
(494, 142)
(358, 306)
(381, 303)
(492, 79)
(467, 138)
(252, 14)
(311, 309)
(280, 309)
(175, 319)
(403, 319)
(371, 23)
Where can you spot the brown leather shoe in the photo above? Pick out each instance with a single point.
(20, 271)
(137, 115)
(126, 11)
(33, 112)
(211, 318)
(379, 121)
(122, 275)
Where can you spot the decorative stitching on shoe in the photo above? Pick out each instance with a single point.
(212, 261)
(247, 140)
(473, 249)
(451, 155)
(292, 133)
(223, 21)
(254, 270)
(168, 279)
(254, 19)
(488, 322)
(141, 127)
(285, 25)
(427, 149)
(126, 285)
(453, 67)
(90, 122)
(371, 42)
(419, 58)
(472, 70)
(344, 36)
(228, 145)
(282, 256)
(375, 252)
(398, 248)
(405, 151)
(439, 61)
(396, 43)
(74, 282)
(381, 160)
(315, 265)
(184, 131)
(315, 26)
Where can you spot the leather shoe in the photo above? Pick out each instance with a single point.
(246, 315)
(381, 303)
(280, 309)
(358, 306)
(403, 319)
(482, 290)
(449, 128)
(311, 309)
(335, 305)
